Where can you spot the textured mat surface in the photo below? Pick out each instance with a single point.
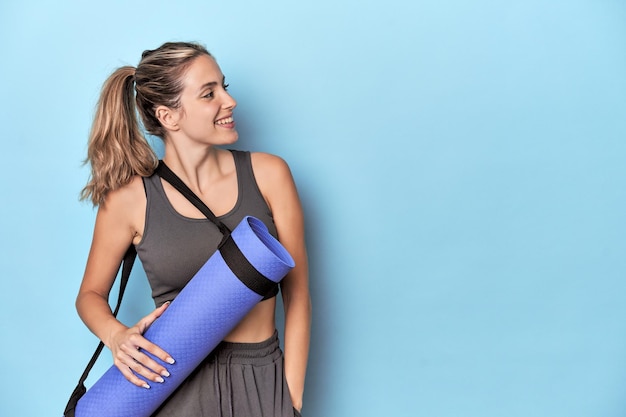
(204, 312)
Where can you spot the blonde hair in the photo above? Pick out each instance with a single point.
(117, 149)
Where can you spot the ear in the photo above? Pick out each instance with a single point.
(167, 117)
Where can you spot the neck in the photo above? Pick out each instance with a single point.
(196, 167)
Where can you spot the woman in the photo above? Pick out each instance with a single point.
(180, 93)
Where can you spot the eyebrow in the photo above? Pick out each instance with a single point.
(212, 84)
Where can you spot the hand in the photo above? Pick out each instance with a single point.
(127, 346)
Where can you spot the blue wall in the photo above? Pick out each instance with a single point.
(461, 165)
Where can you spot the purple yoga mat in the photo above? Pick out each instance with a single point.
(204, 312)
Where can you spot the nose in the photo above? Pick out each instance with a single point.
(229, 102)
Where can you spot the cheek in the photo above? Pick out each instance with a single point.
(201, 116)
(208, 112)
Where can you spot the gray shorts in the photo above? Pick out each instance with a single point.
(235, 380)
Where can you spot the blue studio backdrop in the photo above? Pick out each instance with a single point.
(461, 165)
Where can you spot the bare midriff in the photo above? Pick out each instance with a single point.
(258, 325)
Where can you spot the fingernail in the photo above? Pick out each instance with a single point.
(167, 303)
(171, 361)
(146, 386)
(165, 374)
(160, 380)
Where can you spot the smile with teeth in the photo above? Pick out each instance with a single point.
(224, 121)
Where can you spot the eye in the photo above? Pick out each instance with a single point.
(209, 95)
(225, 87)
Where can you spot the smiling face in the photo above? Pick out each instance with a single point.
(206, 109)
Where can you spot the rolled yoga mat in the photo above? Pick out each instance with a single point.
(198, 319)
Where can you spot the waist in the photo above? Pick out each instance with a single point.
(258, 353)
(258, 325)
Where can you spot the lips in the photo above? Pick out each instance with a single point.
(225, 121)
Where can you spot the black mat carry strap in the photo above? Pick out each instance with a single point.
(233, 257)
(79, 391)
(231, 253)
(168, 175)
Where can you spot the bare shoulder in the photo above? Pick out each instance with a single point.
(269, 168)
(276, 183)
(126, 206)
(126, 196)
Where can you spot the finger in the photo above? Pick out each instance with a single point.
(130, 375)
(147, 368)
(156, 313)
(146, 346)
(152, 369)
(141, 365)
(145, 322)
(128, 361)
(163, 307)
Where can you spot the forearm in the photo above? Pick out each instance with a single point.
(297, 338)
(277, 185)
(95, 312)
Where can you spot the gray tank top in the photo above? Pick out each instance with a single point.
(174, 247)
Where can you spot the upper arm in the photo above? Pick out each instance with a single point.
(117, 224)
(278, 187)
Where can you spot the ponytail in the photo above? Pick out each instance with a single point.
(117, 150)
